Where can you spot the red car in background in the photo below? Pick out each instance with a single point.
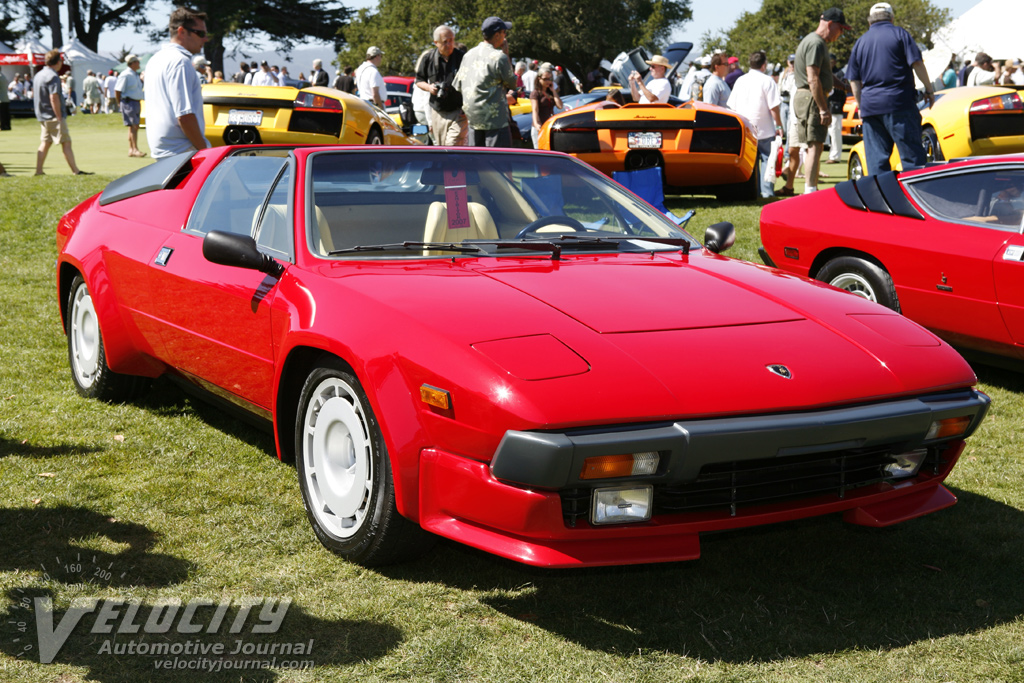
(399, 90)
(944, 245)
(506, 349)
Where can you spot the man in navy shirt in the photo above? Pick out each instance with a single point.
(881, 73)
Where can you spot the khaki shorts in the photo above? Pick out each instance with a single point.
(809, 128)
(54, 131)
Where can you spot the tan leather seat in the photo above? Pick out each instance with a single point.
(481, 225)
(324, 229)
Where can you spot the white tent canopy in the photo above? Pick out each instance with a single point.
(991, 26)
(80, 59)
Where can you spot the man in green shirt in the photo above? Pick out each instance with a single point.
(484, 78)
(810, 103)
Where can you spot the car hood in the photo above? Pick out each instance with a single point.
(643, 337)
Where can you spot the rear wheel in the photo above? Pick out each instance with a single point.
(86, 355)
(374, 138)
(855, 171)
(861, 277)
(930, 140)
(748, 190)
(345, 473)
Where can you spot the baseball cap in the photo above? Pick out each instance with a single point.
(835, 14)
(492, 25)
(131, 58)
(881, 7)
(791, 58)
(373, 51)
(734, 60)
(705, 60)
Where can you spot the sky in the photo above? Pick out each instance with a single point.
(708, 15)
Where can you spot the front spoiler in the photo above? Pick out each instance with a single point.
(460, 500)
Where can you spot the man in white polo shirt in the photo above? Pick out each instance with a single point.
(755, 96)
(174, 96)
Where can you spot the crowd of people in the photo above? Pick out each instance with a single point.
(463, 95)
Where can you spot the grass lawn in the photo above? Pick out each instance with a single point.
(168, 499)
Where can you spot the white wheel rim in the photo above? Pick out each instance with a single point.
(337, 458)
(85, 338)
(857, 171)
(856, 284)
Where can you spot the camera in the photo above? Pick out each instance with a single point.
(442, 90)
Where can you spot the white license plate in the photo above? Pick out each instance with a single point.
(645, 140)
(245, 117)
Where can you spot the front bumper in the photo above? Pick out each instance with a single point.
(521, 505)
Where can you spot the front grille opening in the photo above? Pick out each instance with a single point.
(731, 486)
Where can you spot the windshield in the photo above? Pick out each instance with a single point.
(368, 205)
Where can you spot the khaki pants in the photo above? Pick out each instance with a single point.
(450, 128)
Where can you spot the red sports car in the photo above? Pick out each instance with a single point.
(943, 245)
(506, 349)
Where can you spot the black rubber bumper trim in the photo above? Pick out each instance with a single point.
(554, 460)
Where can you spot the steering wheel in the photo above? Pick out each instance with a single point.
(551, 220)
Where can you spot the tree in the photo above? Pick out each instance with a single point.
(88, 18)
(780, 25)
(567, 32)
(285, 22)
(7, 34)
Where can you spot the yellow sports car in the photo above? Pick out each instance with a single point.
(964, 122)
(253, 114)
(700, 147)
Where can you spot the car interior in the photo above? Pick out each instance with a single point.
(992, 197)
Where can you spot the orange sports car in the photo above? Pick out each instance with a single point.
(702, 148)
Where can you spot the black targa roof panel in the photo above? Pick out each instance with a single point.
(156, 176)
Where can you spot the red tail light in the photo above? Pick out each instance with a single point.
(999, 104)
(307, 100)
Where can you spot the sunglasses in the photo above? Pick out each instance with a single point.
(201, 34)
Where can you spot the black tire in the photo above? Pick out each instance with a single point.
(861, 277)
(374, 137)
(345, 473)
(86, 355)
(932, 149)
(855, 167)
(748, 190)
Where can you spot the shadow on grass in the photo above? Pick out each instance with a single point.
(60, 541)
(24, 449)
(176, 398)
(765, 594)
(231, 640)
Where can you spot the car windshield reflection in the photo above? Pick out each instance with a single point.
(396, 204)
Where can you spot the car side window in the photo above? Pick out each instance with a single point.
(233, 194)
(274, 232)
(991, 198)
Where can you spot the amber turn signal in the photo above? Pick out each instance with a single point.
(620, 465)
(432, 396)
(951, 426)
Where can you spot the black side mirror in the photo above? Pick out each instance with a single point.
(229, 249)
(719, 237)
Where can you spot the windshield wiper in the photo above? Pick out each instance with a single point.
(616, 239)
(407, 246)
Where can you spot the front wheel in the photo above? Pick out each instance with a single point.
(345, 473)
(86, 355)
(861, 277)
